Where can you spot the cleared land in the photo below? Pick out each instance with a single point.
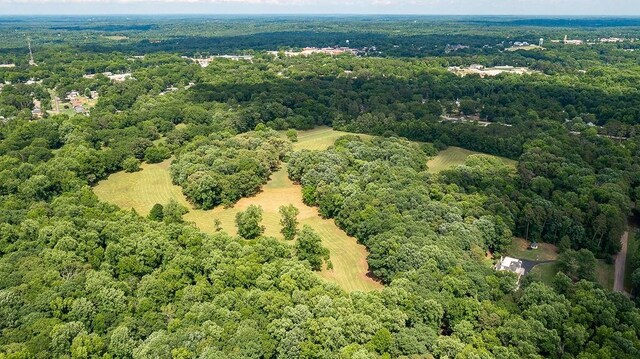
(519, 248)
(545, 272)
(454, 156)
(141, 190)
(525, 48)
(320, 138)
(548, 252)
(605, 274)
(116, 37)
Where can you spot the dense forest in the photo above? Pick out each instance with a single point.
(81, 278)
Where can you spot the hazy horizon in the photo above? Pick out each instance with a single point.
(617, 8)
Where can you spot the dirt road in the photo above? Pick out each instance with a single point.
(621, 262)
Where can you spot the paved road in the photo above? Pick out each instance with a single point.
(621, 262)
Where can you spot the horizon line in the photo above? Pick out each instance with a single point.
(564, 16)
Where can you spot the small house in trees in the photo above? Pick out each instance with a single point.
(510, 264)
(37, 108)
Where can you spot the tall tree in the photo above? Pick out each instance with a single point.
(248, 222)
(289, 221)
(309, 248)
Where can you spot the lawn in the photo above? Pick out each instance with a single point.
(320, 138)
(545, 272)
(454, 156)
(605, 274)
(519, 248)
(141, 190)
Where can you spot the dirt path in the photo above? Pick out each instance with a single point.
(621, 262)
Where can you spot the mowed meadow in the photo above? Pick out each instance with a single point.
(455, 156)
(152, 184)
(141, 190)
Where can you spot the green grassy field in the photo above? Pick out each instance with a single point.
(519, 248)
(605, 274)
(141, 190)
(545, 272)
(320, 138)
(454, 156)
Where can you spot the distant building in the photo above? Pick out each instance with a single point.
(72, 95)
(113, 77)
(612, 39)
(204, 62)
(572, 42)
(307, 51)
(119, 77)
(37, 108)
(489, 71)
(454, 48)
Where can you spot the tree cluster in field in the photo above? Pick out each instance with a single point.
(378, 191)
(222, 169)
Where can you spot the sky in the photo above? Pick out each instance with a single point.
(426, 7)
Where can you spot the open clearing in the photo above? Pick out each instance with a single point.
(116, 37)
(320, 138)
(545, 272)
(605, 274)
(455, 156)
(519, 248)
(141, 190)
(525, 48)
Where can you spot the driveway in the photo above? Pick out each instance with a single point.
(621, 262)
